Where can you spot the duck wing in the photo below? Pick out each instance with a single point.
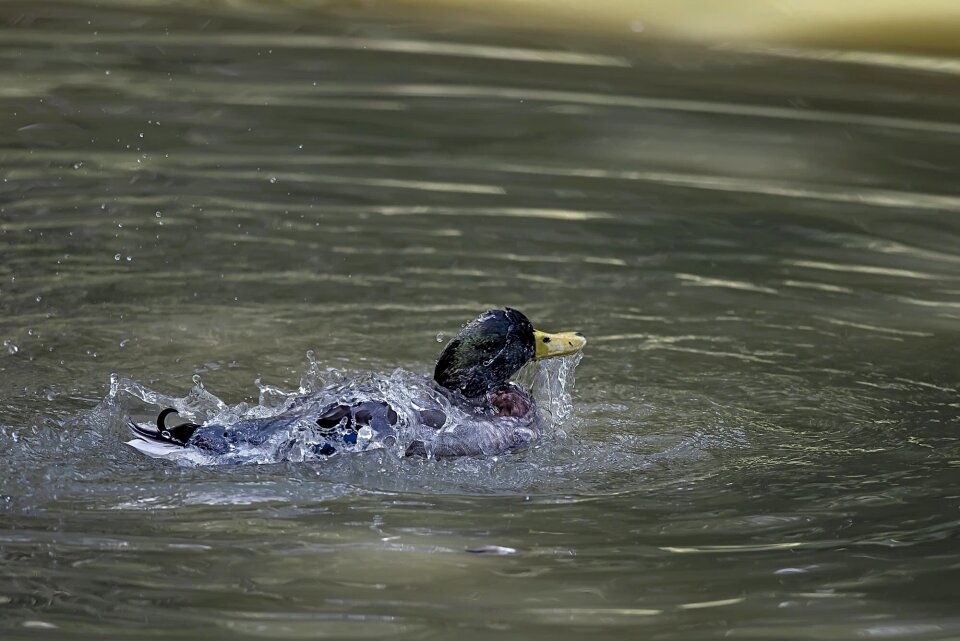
(336, 424)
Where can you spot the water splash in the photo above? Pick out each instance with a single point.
(551, 382)
(320, 387)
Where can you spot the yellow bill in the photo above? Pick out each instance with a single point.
(559, 344)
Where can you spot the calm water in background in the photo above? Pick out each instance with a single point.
(763, 251)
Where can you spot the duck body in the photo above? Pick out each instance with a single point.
(316, 427)
(469, 408)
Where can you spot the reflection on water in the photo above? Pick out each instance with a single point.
(761, 246)
(878, 25)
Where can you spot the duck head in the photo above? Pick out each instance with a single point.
(486, 353)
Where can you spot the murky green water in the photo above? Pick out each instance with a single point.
(762, 250)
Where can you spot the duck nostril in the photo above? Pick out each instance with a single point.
(580, 335)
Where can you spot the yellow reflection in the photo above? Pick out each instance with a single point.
(877, 25)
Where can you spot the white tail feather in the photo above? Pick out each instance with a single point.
(155, 448)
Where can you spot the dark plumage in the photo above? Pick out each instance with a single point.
(486, 353)
(475, 409)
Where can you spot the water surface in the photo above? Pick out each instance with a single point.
(762, 250)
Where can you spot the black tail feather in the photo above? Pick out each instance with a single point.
(177, 435)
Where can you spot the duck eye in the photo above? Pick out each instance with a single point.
(546, 339)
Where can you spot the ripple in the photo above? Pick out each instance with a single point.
(590, 616)
(703, 281)
(873, 328)
(714, 549)
(315, 41)
(866, 269)
(711, 604)
(913, 62)
(642, 102)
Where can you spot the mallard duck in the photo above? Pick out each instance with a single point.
(470, 408)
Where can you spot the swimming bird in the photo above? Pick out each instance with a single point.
(470, 408)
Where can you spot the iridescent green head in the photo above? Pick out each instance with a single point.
(493, 347)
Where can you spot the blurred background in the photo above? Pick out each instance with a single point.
(876, 25)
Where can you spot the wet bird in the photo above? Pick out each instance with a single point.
(471, 408)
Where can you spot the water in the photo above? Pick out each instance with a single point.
(761, 249)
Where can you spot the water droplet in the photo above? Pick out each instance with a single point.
(117, 257)
(13, 349)
(39, 298)
(124, 342)
(129, 258)
(140, 134)
(77, 165)
(273, 180)
(107, 72)
(158, 214)
(440, 337)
